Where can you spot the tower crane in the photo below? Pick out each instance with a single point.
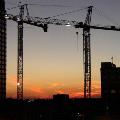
(43, 23)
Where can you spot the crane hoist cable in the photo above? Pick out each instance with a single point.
(10, 3)
(77, 41)
(42, 5)
(61, 14)
(65, 13)
(102, 14)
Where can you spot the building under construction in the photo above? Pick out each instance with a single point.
(2, 50)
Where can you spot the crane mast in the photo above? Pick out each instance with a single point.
(87, 55)
(20, 55)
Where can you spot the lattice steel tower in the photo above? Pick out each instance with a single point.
(2, 50)
(87, 54)
(20, 55)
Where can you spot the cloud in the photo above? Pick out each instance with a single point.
(96, 88)
(48, 89)
(37, 90)
(60, 91)
(56, 85)
(76, 94)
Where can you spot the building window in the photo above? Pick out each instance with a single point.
(113, 91)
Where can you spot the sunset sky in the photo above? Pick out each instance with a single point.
(52, 62)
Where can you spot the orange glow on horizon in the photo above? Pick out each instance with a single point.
(34, 91)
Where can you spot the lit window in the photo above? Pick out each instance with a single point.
(113, 91)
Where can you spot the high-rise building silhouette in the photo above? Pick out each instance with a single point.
(2, 50)
(110, 81)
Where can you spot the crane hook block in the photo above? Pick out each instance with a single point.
(79, 25)
(45, 27)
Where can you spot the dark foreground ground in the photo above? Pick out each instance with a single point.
(60, 109)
